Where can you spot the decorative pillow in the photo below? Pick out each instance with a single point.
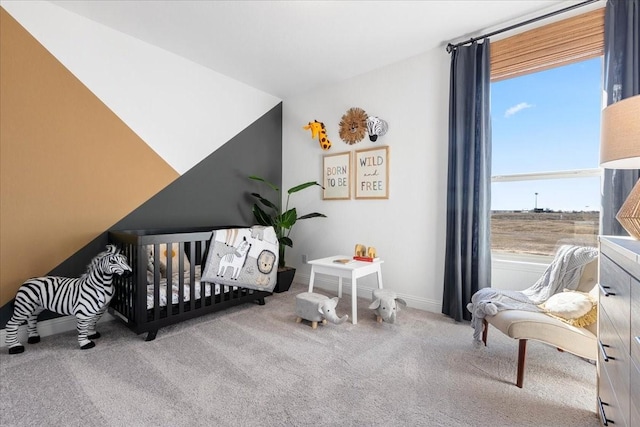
(243, 257)
(167, 256)
(171, 256)
(573, 307)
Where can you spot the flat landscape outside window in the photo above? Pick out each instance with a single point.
(545, 150)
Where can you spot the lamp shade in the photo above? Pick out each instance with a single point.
(620, 135)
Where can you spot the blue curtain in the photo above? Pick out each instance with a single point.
(468, 247)
(621, 80)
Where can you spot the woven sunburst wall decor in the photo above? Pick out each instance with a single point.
(353, 126)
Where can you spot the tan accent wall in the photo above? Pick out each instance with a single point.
(69, 167)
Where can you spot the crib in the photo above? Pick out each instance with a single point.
(150, 298)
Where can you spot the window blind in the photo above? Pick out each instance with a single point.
(574, 39)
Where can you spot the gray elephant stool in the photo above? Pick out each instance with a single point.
(385, 304)
(317, 308)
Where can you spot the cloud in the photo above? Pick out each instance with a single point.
(516, 108)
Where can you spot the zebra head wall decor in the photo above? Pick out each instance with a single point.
(86, 298)
(318, 129)
(376, 127)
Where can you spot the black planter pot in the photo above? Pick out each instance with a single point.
(284, 280)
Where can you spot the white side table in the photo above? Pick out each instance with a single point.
(352, 270)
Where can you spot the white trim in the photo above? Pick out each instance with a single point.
(519, 266)
(578, 173)
(331, 284)
(524, 258)
(50, 327)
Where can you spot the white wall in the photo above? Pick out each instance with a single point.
(408, 229)
(179, 108)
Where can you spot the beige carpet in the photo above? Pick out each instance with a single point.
(255, 366)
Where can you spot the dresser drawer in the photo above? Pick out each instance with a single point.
(608, 407)
(615, 282)
(613, 361)
(635, 322)
(634, 416)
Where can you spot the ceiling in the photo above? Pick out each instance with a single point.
(285, 48)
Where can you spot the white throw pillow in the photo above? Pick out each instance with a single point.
(573, 307)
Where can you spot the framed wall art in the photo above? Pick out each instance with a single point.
(372, 173)
(336, 176)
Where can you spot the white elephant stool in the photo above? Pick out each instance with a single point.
(385, 304)
(317, 308)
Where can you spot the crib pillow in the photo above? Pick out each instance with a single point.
(166, 255)
(243, 257)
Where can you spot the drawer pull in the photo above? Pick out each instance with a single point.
(638, 339)
(605, 357)
(603, 417)
(604, 291)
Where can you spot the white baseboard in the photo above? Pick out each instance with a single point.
(329, 284)
(50, 327)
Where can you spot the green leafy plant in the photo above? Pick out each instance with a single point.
(281, 220)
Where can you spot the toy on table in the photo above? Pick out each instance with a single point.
(362, 253)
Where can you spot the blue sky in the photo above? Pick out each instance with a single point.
(547, 121)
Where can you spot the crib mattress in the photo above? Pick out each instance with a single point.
(175, 289)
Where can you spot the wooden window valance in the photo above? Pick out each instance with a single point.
(574, 39)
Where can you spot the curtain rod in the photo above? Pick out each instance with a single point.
(451, 47)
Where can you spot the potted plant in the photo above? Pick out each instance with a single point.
(282, 222)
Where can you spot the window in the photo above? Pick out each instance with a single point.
(546, 102)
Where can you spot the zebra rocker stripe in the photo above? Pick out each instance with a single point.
(86, 298)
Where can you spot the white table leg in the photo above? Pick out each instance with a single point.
(354, 299)
(339, 286)
(311, 278)
(379, 272)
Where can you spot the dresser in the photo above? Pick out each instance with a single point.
(619, 332)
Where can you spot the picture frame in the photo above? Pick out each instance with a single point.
(336, 176)
(372, 173)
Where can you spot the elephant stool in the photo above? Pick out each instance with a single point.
(385, 303)
(317, 308)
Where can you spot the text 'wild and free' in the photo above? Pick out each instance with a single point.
(370, 164)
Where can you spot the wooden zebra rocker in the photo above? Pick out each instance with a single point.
(86, 298)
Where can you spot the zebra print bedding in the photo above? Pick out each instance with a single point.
(140, 300)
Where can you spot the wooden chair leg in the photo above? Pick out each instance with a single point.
(522, 352)
(485, 331)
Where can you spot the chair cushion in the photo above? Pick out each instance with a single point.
(520, 324)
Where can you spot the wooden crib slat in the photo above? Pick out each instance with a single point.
(156, 282)
(140, 295)
(180, 280)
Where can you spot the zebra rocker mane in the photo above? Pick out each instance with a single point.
(95, 264)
